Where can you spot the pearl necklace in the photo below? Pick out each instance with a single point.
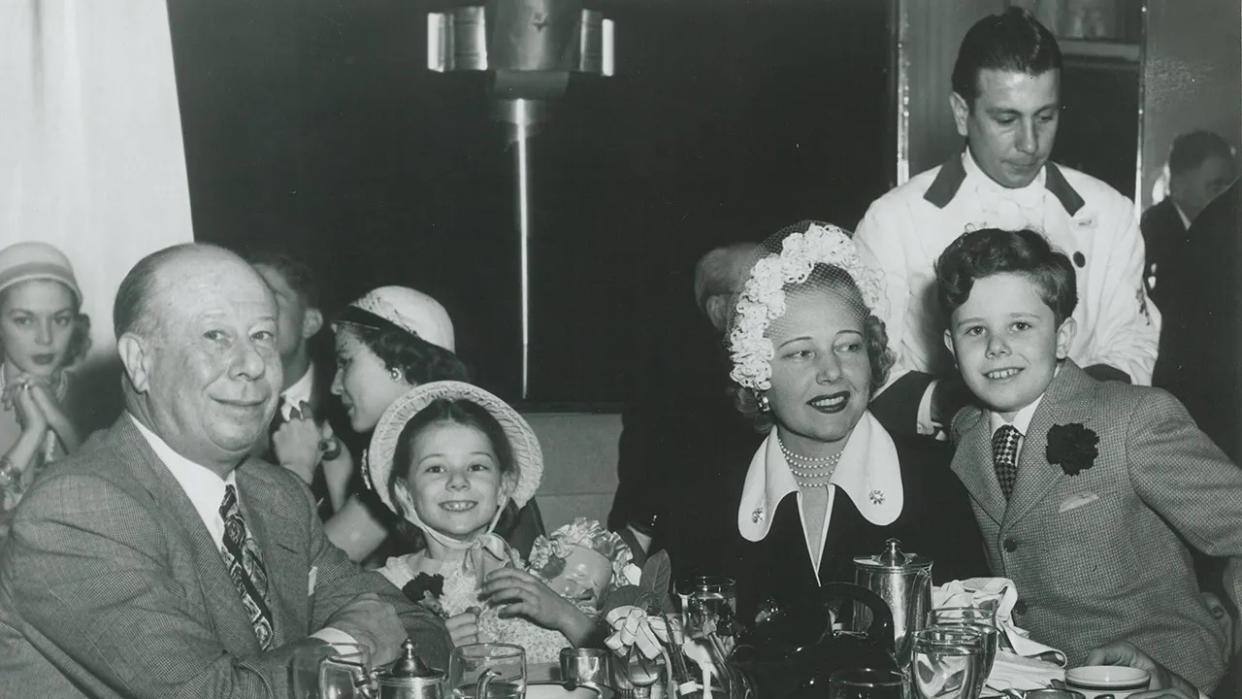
(810, 471)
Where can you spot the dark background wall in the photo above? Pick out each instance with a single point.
(313, 123)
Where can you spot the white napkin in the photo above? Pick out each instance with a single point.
(1031, 665)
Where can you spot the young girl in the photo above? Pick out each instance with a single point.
(41, 333)
(448, 456)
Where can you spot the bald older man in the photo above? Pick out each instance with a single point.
(162, 560)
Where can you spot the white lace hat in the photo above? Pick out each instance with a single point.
(527, 454)
(405, 309)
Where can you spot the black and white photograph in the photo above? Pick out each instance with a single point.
(621, 349)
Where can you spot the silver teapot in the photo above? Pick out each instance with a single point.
(903, 581)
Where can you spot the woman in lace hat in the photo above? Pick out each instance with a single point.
(828, 483)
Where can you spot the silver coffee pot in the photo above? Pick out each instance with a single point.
(903, 580)
(409, 678)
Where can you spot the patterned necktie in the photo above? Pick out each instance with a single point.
(1005, 457)
(241, 557)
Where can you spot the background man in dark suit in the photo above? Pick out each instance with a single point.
(308, 417)
(679, 424)
(1201, 167)
(162, 559)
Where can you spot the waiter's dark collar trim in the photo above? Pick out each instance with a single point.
(1056, 183)
(949, 180)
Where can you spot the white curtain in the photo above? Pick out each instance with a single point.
(91, 156)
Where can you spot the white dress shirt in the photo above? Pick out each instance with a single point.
(201, 485)
(298, 393)
(1021, 422)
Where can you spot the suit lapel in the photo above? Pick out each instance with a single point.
(223, 605)
(1066, 401)
(275, 533)
(973, 465)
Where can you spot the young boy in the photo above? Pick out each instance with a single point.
(1087, 492)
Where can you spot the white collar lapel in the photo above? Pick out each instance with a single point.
(869, 473)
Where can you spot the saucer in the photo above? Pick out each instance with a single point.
(1098, 680)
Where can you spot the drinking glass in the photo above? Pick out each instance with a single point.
(584, 666)
(947, 663)
(703, 598)
(991, 643)
(487, 671)
(956, 615)
(337, 671)
(865, 683)
(984, 614)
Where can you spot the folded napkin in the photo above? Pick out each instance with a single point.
(1012, 671)
(1031, 664)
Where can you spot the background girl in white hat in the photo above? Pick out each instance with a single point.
(42, 331)
(388, 341)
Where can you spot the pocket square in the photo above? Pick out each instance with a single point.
(1076, 501)
(310, 581)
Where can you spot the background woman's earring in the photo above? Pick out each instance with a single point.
(764, 404)
(395, 373)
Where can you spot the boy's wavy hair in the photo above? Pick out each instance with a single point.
(990, 251)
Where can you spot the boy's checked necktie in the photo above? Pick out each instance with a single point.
(241, 557)
(1005, 457)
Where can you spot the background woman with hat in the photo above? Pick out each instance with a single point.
(388, 341)
(42, 331)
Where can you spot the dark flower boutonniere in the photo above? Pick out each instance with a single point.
(1072, 447)
(426, 590)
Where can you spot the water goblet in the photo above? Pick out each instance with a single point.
(947, 663)
(991, 644)
(703, 598)
(982, 614)
(952, 615)
(584, 666)
(865, 683)
(487, 671)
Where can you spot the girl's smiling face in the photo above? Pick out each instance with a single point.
(454, 479)
(36, 325)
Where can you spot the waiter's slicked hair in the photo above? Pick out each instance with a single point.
(1012, 41)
